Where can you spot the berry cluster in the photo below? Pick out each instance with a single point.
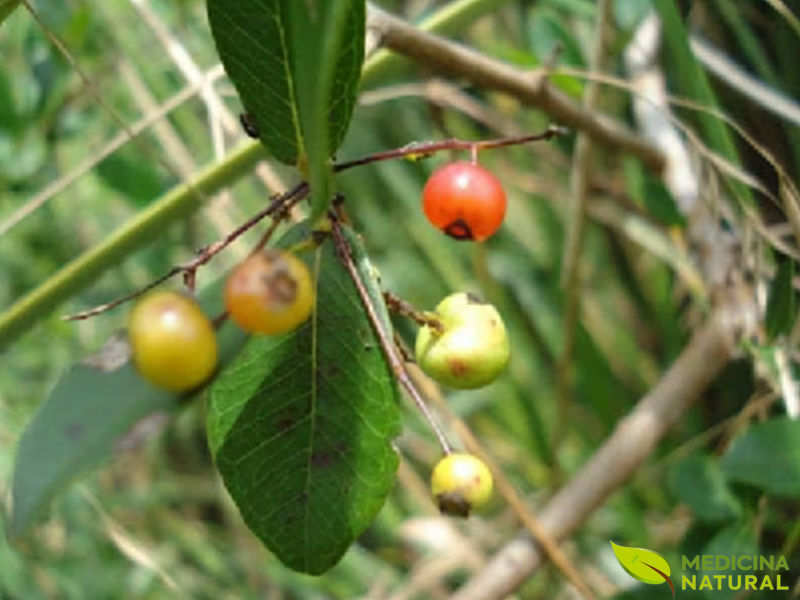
(470, 347)
(271, 292)
(174, 343)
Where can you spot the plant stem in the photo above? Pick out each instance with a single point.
(387, 345)
(278, 207)
(401, 307)
(424, 149)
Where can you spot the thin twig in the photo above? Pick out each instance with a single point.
(424, 149)
(278, 207)
(285, 201)
(387, 345)
(625, 450)
(510, 494)
(404, 308)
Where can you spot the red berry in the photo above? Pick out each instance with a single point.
(465, 201)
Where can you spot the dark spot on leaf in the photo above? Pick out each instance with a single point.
(318, 236)
(473, 299)
(459, 230)
(322, 460)
(493, 322)
(285, 424)
(74, 431)
(331, 370)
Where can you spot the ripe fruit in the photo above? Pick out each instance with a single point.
(465, 201)
(471, 351)
(270, 292)
(173, 341)
(461, 482)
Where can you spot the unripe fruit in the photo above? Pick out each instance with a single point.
(465, 201)
(461, 482)
(471, 351)
(173, 342)
(271, 292)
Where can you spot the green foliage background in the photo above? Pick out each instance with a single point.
(155, 522)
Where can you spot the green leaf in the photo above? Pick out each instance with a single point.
(296, 66)
(642, 564)
(699, 482)
(301, 424)
(767, 456)
(92, 407)
(6, 8)
(782, 305)
(75, 428)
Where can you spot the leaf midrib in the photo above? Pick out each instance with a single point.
(290, 85)
(314, 391)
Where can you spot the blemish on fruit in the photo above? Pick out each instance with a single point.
(283, 287)
(459, 230)
(458, 367)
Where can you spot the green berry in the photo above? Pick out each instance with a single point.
(471, 350)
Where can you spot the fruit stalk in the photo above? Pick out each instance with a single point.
(388, 347)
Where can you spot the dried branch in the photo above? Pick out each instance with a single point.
(624, 451)
(530, 87)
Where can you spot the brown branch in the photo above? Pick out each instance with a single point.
(424, 149)
(624, 451)
(278, 207)
(504, 485)
(532, 88)
(402, 307)
(387, 345)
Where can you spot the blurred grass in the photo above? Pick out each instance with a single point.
(164, 495)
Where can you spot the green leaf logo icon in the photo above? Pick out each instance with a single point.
(644, 565)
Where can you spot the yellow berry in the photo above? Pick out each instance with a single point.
(461, 482)
(271, 292)
(173, 341)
